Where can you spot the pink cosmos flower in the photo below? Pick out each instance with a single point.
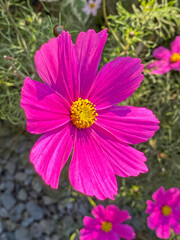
(107, 224)
(167, 59)
(76, 110)
(91, 7)
(164, 212)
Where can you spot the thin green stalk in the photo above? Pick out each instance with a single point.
(109, 27)
(6, 9)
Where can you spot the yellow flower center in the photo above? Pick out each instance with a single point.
(175, 57)
(83, 113)
(166, 210)
(92, 5)
(106, 226)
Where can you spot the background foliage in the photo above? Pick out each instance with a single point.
(135, 29)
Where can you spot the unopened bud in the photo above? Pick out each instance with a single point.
(58, 30)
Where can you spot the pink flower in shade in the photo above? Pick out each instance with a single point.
(167, 59)
(63, 108)
(164, 212)
(91, 7)
(107, 224)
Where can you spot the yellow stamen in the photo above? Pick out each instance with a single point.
(83, 113)
(166, 210)
(175, 57)
(92, 5)
(106, 226)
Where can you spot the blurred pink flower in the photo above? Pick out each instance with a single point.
(63, 109)
(167, 59)
(91, 7)
(107, 224)
(164, 212)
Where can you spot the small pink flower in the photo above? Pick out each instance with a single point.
(76, 110)
(91, 7)
(164, 212)
(107, 224)
(167, 59)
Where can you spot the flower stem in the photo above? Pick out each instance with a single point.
(109, 27)
(6, 10)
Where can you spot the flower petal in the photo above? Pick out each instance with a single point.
(125, 231)
(163, 231)
(151, 206)
(159, 195)
(92, 223)
(175, 66)
(51, 152)
(175, 225)
(162, 53)
(159, 67)
(90, 172)
(99, 212)
(88, 48)
(130, 124)
(172, 197)
(176, 214)
(114, 215)
(45, 109)
(154, 219)
(56, 64)
(116, 81)
(175, 45)
(88, 234)
(125, 160)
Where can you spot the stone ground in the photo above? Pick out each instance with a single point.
(28, 208)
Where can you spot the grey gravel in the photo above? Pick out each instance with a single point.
(22, 195)
(36, 230)
(22, 234)
(11, 167)
(1, 227)
(37, 184)
(20, 176)
(17, 212)
(48, 226)
(34, 210)
(3, 212)
(9, 187)
(8, 200)
(27, 222)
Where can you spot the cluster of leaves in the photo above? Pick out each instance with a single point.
(142, 29)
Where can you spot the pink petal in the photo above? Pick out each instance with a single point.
(163, 231)
(87, 234)
(45, 109)
(129, 124)
(125, 160)
(114, 215)
(154, 219)
(162, 53)
(91, 223)
(151, 206)
(99, 212)
(172, 197)
(175, 45)
(176, 214)
(116, 81)
(159, 195)
(56, 64)
(88, 48)
(90, 172)
(175, 66)
(51, 152)
(175, 225)
(125, 231)
(159, 67)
